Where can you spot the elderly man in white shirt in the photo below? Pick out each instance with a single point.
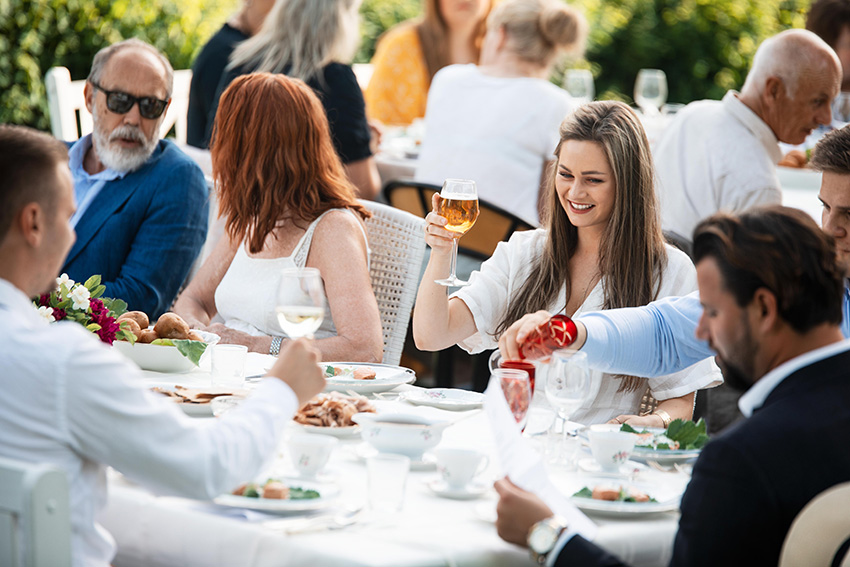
(73, 402)
(722, 155)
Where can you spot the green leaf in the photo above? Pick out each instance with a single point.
(93, 282)
(584, 493)
(115, 306)
(162, 342)
(191, 349)
(98, 291)
(251, 491)
(93, 327)
(122, 335)
(627, 428)
(298, 493)
(687, 433)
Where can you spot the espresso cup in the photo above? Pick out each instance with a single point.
(310, 452)
(611, 448)
(459, 466)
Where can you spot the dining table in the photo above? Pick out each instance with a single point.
(168, 530)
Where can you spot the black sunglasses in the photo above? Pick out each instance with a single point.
(121, 103)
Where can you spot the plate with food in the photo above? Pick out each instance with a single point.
(452, 399)
(603, 496)
(198, 401)
(365, 378)
(281, 495)
(168, 346)
(330, 414)
(680, 442)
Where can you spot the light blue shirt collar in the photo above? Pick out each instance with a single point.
(754, 398)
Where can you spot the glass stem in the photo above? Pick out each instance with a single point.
(454, 259)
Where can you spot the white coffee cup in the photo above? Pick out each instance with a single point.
(459, 466)
(611, 448)
(310, 452)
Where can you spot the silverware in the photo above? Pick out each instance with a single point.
(342, 519)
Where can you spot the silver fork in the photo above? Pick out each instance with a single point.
(342, 519)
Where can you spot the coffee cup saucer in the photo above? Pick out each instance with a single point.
(629, 468)
(475, 489)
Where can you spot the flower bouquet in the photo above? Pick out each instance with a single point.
(82, 302)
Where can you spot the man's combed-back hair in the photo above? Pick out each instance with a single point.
(28, 161)
(779, 249)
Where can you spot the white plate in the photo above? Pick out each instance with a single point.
(161, 358)
(445, 398)
(627, 469)
(341, 432)
(386, 378)
(327, 495)
(474, 489)
(661, 456)
(667, 494)
(428, 462)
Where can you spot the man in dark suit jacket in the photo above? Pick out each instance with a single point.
(771, 291)
(142, 205)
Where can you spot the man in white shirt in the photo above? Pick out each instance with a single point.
(722, 155)
(771, 291)
(73, 402)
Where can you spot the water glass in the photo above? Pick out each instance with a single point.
(651, 90)
(387, 480)
(579, 83)
(228, 365)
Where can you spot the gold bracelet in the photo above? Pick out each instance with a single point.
(665, 417)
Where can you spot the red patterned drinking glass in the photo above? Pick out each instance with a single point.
(556, 333)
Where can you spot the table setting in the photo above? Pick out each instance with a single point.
(410, 485)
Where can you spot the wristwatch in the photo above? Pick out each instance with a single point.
(543, 536)
(274, 349)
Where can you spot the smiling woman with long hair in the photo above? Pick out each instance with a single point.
(287, 203)
(602, 248)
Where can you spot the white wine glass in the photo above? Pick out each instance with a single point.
(459, 204)
(579, 83)
(568, 384)
(651, 90)
(300, 306)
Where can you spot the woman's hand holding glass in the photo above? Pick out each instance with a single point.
(454, 211)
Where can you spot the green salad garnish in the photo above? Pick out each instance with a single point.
(624, 495)
(688, 434)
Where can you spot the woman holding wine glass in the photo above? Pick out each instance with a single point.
(289, 206)
(602, 248)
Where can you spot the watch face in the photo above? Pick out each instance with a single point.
(542, 537)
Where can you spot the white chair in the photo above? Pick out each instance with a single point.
(397, 242)
(820, 531)
(66, 103)
(35, 520)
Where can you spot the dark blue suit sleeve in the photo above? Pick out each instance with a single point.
(580, 552)
(167, 243)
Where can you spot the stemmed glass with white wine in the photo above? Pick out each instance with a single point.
(579, 83)
(300, 306)
(651, 90)
(459, 204)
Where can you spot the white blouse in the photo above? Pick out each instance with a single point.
(247, 295)
(504, 273)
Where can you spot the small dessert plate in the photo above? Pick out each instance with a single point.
(444, 398)
(629, 468)
(474, 489)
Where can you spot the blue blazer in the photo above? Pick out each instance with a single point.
(750, 483)
(142, 233)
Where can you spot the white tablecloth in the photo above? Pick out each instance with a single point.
(431, 531)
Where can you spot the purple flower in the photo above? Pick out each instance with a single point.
(108, 328)
(59, 314)
(96, 306)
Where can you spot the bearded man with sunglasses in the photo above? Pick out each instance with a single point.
(142, 204)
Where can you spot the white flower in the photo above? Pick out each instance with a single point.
(64, 279)
(80, 295)
(47, 313)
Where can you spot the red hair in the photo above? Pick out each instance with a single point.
(273, 158)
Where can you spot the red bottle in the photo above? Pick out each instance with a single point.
(558, 332)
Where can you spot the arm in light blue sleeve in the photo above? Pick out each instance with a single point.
(646, 341)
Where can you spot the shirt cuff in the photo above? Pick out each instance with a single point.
(566, 536)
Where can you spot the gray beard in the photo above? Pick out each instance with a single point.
(122, 160)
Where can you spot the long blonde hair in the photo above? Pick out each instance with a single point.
(632, 256)
(434, 37)
(301, 37)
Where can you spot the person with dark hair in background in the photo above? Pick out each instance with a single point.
(771, 291)
(83, 406)
(211, 61)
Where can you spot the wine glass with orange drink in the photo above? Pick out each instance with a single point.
(459, 205)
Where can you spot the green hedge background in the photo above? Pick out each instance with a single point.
(704, 46)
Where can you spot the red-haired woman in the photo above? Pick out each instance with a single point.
(287, 203)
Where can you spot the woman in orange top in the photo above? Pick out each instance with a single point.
(411, 53)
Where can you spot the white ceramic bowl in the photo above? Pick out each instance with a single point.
(403, 434)
(160, 358)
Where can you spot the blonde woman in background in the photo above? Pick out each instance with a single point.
(497, 122)
(315, 40)
(409, 55)
(602, 248)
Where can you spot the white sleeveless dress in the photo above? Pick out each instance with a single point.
(246, 297)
